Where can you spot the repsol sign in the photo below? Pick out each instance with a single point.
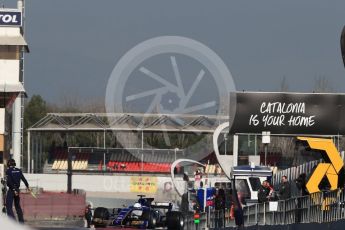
(10, 18)
(287, 113)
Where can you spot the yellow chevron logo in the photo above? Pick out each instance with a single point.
(331, 168)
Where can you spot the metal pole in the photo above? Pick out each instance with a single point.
(36, 153)
(16, 130)
(32, 153)
(255, 220)
(142, 161)
(265, 213)
(40, 154)
(104, 166)
(142, 139)
(69, 172)
(225, 142)
(28, 153)
(104, 144)
(235, 151)
(255, 143)
(266, 154)
(205, 194)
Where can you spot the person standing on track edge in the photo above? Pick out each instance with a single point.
(14, 176)
(88, 215)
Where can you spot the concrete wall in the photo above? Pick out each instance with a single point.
(9, 70)
(104, 183)
(90, 183)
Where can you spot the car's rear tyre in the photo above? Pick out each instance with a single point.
(175, 220)
(152, 219)
(101, 217)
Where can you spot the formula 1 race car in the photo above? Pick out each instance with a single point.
(143, 214)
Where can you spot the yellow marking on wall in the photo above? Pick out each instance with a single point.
(143, 184)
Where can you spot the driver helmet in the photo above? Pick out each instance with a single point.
(137, 205)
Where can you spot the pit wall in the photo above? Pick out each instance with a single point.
(105, 183)
(137, 184)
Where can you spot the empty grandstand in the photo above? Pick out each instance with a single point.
(112, 160)
(115, 143)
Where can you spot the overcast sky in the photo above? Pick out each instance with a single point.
(75, 44)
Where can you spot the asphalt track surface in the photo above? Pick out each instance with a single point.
(109, 228)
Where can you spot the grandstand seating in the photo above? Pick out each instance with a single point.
(127, 166)
(213, 169)
(61, 160)
(157, 161)
(118, 160)
(272, 157)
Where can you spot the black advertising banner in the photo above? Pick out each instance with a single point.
(10, 18)
(287, 113)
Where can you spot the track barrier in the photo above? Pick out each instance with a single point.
(326, 207)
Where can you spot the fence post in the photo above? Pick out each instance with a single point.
(264, 213)
(208, 216)
(309, 206)
(248, 213)
(51, 206)
(284, 212)
(256, 213)
(321, 208)
(337, 216)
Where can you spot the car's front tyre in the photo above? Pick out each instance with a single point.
(150, 216)
(175, 220)
(101, 217)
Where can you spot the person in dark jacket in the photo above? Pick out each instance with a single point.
(284, 189)
(14, 177)
(303, 191)
(238, 211)
(301, 184)
(88, 215)
(220, 208)
(264, 192)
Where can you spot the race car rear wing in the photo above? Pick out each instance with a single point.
(162, 205)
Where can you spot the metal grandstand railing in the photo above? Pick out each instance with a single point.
(211, 219)
(294, 172)
(326, 206)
